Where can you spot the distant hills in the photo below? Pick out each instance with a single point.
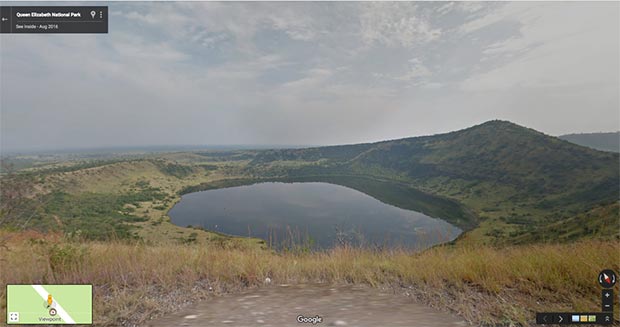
(515, 178)
(599, 141)
(498, 152)
(500, 182)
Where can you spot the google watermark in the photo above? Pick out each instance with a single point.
(309, 320)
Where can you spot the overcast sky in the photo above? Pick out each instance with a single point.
(311, 73)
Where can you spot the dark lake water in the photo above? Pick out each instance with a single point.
(315, 214)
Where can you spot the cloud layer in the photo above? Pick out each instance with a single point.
(311, 73)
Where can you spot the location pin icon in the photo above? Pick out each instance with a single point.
(92, 14)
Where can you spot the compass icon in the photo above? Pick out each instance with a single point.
(607, 278)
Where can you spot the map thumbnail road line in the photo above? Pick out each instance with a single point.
(61, 312)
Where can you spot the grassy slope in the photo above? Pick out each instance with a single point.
(483, 284)
(123, 183)
(519, 183)
(515, 179)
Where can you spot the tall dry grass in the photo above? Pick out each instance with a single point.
(133, 282)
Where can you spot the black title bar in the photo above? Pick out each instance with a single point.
(44, 19)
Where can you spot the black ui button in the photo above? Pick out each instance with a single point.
(5, 19)
(544, 318)
(607, 278)
(608, 300)
(605, 318)
(548, 318)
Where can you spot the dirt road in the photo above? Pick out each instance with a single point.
(325, 305)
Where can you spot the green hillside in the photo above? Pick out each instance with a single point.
(518, 180)
(500, 182)
(512, 189)
(599, 141)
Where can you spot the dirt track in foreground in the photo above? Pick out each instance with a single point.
(280, 305)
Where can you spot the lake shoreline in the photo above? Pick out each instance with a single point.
(399, 196)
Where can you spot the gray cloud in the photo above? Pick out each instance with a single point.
(311, 73)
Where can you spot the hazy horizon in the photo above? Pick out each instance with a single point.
(177, 74)
(206, 147)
